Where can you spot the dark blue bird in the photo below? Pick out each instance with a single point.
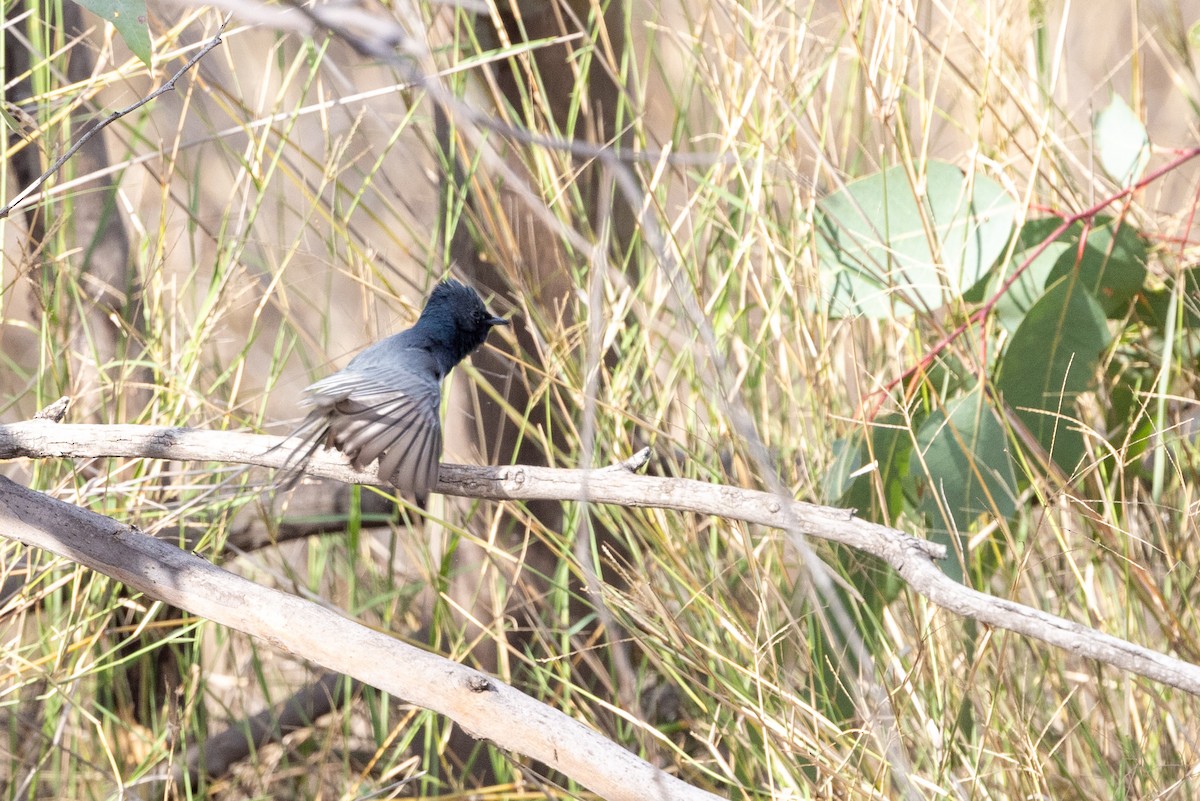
(385, 403)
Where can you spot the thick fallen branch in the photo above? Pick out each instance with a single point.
(483, 706)
(909, 556)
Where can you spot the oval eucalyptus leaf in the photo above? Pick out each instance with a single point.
(1112, 264)
(1027, 290)
(1050, 361)
(1029, 236)
(963, 468)
(887, 249)
(1121, 142)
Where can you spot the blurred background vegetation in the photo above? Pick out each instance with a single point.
(295, 198)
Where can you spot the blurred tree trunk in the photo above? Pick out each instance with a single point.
(526, 262)
(523, 262)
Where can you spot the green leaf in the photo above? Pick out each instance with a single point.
(10, 122)
(129, 18)
(879, 259)
(1128, 423)
(963, 467)
(877, 492)
(1112, 265)
(1153, 307)
(1121, 142)
(1014, 305)
(1050, 361)
(847, 459)
(1031, 234)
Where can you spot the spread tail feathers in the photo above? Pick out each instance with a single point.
(308, 437)
(399, 430)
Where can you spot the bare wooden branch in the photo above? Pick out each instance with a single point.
(909, 556)
(483, 706)
(219, 751)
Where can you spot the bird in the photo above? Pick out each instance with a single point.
(384, 405)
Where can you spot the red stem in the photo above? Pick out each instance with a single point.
(919, 368)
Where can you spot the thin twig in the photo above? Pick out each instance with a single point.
(109, 120)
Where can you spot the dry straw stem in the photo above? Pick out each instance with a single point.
(912, 558)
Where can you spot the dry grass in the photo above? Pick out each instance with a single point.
(283, 214)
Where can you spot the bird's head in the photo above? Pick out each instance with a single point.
(456, 318)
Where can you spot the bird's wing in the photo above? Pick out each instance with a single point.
(385, 414)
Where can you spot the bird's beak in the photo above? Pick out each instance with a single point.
(497, 321)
